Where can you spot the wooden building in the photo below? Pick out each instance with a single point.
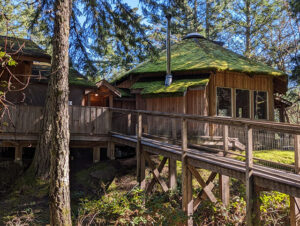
(208, 80)
(33, 63)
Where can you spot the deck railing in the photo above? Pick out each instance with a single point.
(262, 133)
(21, 119)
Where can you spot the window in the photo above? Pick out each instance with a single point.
(242, 103)
(224, 101)
(260, 105)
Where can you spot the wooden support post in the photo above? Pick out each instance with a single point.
(129, 123)
(187, 186)
(251, 196)
(111, 150)
(224, 180)
(172, 174)
(18, 154)
(138, 148)
(294, 201)
(184, 163)
(190, 200)
(172, 162)
(96, 154)
(143, 170)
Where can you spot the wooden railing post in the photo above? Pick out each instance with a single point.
(129, 123)
(172, 162)
(110, 144)
(187, 196)
(294, 201)
(251, 197)
(138, 148)
(224, 180)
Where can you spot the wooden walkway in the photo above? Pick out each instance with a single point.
(265, 177)
(256, 177)
(93, 126)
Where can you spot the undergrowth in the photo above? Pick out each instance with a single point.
(135, 208)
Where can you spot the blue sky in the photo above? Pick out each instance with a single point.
(132, 3)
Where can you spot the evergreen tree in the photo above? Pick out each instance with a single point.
(249, 22)
(203, 16)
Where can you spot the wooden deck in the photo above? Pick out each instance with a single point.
(94, 124)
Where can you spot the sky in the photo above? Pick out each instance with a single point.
(132, 3)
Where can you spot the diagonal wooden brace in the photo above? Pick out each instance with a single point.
(207, 187)
(156, 173)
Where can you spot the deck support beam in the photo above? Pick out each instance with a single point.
(96, 154)
(143, 170)
(138, 148)
(18, 154)
(172, 174)
(172, 162)
(111, 150)
(187, 186)
(224, 180)
(294, 201)
(156, 173)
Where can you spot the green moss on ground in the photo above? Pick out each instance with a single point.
(280, 156)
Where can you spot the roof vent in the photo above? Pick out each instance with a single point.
(193, 35)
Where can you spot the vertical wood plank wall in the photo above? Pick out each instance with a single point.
(196, 104)
(27, 120)
(203, 102)
(239, 81)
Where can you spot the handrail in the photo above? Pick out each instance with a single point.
(255, 124)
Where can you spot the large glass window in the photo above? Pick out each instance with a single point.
(224, 101)
(242, 103)
(260, 105)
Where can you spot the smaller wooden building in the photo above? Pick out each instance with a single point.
(33, 63)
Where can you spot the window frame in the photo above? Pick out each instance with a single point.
(231, 100)
(250, 107)
(267, 93)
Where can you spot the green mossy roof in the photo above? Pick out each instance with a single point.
(30, 48)
(125, 92)
(202, 55)
(177, 87)
(75, 78)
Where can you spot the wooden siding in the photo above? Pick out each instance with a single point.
(239, 81)
(196, 103)
(83, 120)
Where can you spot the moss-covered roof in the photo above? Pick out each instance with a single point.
(177, 87)
(202, 55)
(75, 78)
(125, 92)
(25, 47)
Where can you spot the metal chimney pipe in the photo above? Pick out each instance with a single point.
(168, 80)
(168, 16)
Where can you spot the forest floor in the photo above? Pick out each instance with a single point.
(106, 193)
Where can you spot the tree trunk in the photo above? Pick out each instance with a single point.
(248, 30)
(40, 166)
(207, 18)
(60, 211)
